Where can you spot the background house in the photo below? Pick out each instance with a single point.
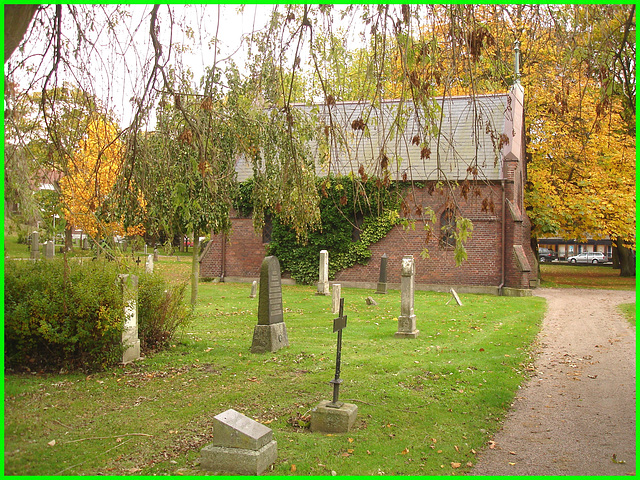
(481, 149)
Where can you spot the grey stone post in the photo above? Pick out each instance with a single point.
(130, 340)
(155, 254)
(335, 299)
(254, 289)
(49, 249)
(407, 319)
(35, 245)
(323, 282)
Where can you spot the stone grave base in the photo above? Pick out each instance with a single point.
(333, 420)
(407, 327)
(238, 460)
(269, 338)
(132, 351)
(382, 288)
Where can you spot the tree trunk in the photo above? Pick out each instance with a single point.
(626, 257)
(68, 237)
(195, 269)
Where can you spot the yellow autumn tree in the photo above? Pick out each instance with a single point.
(92, 174)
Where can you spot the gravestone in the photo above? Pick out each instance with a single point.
(35, 246)
(85, 243)
(382, 279)
(240, 445)
(407, 319)
(270, 335)
(254, 289)
(335, 416)
(130, 340)
(49, 249)
(454, 296)
(155, 254)
(371, 301)
(149, 265)
(323, 282)
(145, 249)
(335, 299)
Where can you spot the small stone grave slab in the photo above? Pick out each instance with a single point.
(270, 335)
(35, 245)
(254, 289)
(454, 295)
(371, 301)
(240, 445)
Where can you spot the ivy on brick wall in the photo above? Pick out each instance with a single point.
(355, 214)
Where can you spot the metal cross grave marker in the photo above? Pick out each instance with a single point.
(338, 324)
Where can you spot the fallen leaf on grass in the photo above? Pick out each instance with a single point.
(293, 468)
(491, 444)
(350, 440)
(455, 465)
(405, 451)
(469, 464)
(53, 442)
(512, 453)
(133, 470)
(457, 449)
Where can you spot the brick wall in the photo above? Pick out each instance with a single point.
(244, 250)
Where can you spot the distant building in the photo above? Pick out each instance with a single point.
(481, 143)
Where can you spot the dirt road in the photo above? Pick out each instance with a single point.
(576, 415)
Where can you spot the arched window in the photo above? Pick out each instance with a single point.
(447, 228)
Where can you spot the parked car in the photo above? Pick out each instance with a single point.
(589, 257)
(546, 255)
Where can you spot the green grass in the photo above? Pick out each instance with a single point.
(425, 405)
(629, 311)
(584, 276)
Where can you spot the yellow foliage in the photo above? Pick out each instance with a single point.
(97, 162)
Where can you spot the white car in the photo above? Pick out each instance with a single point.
(589, 257)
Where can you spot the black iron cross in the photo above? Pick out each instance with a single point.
(338, 324)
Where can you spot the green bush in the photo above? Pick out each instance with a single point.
(59, 315)
(71, 315)
(161, 311)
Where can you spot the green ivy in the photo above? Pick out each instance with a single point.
(344, 202)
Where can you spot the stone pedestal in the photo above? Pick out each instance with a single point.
(269, 338)
(240, 446)
(407, 319)
(333, 420)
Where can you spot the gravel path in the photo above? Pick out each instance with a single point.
(576, 415)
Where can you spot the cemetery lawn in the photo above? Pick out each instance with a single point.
(426, 406)
(557, 275)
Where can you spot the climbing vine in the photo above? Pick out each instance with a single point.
(354, 215)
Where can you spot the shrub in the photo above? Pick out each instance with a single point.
(56, 316)
(71, 315)
(161, 311)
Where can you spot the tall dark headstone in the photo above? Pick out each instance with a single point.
(270, 335)
(382, 280)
